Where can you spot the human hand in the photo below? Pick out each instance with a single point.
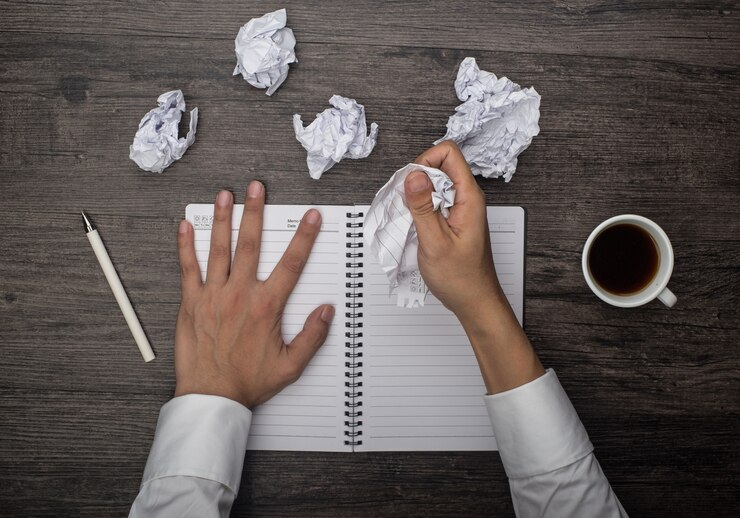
(456, 263)
(228, 340)
(454, 254)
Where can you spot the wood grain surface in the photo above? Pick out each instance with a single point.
(640, 107)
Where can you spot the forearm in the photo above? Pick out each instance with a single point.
(505, 355)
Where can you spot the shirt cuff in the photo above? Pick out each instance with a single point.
(536, 427)
(200, 436)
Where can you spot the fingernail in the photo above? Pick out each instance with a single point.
(224, 198)
(254, 189)
(312, 217)
(183, 227)
(418, 182)
(327, 314)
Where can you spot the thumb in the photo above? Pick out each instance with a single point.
(312, 336)
(429, 224)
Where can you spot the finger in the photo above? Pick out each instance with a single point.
(469, 198)
(448, 157)
(189, 270)
(219, 255)
(247, 257)
(288, 270)
(430, 225)
(304, 346)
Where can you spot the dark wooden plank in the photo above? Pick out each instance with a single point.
(639, 114)
(698, 32)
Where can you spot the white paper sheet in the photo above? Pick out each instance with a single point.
(264, 49)
(391, 237)
(495, 123)
(156, 143)
(336, 133)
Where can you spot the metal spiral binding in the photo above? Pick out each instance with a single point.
(353, 334)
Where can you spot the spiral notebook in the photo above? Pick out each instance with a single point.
(387, 378)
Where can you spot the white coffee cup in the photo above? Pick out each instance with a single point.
(657, 287)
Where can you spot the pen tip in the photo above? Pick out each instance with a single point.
(89, 227)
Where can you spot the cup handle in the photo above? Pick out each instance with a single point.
(667, 297)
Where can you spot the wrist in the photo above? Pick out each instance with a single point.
(482, 308)
(492, 325)
(183, 389)
(504, 354)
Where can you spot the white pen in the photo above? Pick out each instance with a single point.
(115, 284)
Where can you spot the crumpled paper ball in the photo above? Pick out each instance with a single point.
(264, 49)
(495, 123)
(336, 133)
(156, 143)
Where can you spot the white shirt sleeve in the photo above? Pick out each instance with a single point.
(196, 460)
(547, 454)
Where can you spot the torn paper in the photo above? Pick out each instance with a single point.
(495, 122)
(264, 49)
(336, 133)
(390, 234)
(156, 144)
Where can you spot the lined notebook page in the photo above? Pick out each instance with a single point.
(309, 414)
(422, 385)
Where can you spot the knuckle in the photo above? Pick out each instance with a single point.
(292, 372)
(265, 306)
(247, 246)
(252, 205)
(253, 209)
(307, 232)
(449, 144)
(293, 263)
(219, 251)
(187, 268)
(423, 209)
(221, 214)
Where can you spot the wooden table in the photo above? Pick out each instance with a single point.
(639, 115)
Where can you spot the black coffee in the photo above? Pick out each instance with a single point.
(623, 259)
